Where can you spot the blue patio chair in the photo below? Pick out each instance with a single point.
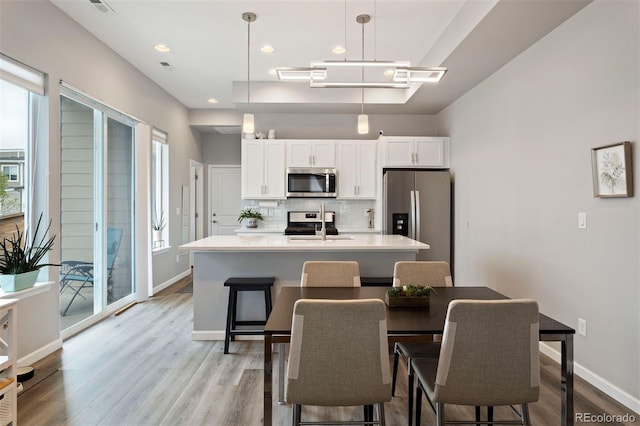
(76, 275)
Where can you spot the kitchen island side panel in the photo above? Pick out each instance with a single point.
(212, 268)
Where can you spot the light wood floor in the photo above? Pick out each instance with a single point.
(141, 368)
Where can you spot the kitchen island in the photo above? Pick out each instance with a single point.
(217, 258)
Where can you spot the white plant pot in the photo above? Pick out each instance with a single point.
(251, 222)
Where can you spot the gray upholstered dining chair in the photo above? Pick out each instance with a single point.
(320, 274)
(338, 356)
(435, 274)
(489, 357)
(330, 274)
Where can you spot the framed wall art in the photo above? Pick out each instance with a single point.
(612, 170)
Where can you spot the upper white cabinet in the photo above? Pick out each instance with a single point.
(427, 152)
(357, 169)
(263, 169)
(311, 153)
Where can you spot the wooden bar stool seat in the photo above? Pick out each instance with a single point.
(237, 285)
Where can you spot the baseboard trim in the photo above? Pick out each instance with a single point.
(38, 354)
(605, 386)
(218, 335)
(160, 287)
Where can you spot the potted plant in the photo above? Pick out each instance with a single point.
(409, 296)
(20, 260)
(158, 223)
(250, 217)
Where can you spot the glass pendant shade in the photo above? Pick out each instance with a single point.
(363, 124)
(247, 124)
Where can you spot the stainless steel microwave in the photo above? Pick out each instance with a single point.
(319, 183)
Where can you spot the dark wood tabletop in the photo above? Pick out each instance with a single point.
(399, 320)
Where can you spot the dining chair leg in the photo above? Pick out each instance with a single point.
(525, 415)
(396, 355)
(418, 405)
(489, 415)
(368, 413)
(439, 413)
(297, 414)
(380, 409)
(410, 393)
(281, 356)
(477, 415)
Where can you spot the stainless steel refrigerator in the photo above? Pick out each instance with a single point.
(417, 204)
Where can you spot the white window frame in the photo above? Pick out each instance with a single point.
(160, 188)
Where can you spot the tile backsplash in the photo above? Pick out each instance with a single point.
(349, 213)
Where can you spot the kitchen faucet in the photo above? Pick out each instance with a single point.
(323, 231)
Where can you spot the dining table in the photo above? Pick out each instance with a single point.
(409, 321)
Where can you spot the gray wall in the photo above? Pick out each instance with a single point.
(40, 35)
(521, 145)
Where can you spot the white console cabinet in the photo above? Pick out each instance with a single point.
(421, 152)
(263, 169)
(8, 359)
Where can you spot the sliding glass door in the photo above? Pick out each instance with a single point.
(97, 193)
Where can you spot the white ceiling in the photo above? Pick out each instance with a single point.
(208, 41)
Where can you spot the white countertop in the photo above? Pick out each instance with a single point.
(273, 242)
(280, 230)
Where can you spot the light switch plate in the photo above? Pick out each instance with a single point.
(582, 220)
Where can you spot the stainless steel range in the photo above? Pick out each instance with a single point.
(307, 223)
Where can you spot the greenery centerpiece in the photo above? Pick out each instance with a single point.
(20, 259)
(409, 296)
(250, 217)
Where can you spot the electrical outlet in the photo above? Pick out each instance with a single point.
(582, 327)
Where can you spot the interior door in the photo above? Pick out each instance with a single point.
(226, 203)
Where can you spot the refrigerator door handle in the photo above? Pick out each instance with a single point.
(413, 215)
(417, 216)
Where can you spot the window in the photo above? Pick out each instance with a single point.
(160, 189)
(20, 131)
(11, 172)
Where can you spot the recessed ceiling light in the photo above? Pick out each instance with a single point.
(212, 100)
(273, 71)
(389, 72)
(162, 48)
(339, 50)
(267, 48)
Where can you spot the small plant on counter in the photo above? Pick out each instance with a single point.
(411, 291)
(17, 255)
(249, 213)
(159, 221)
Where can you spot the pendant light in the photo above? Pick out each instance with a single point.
(363, 120)
(247, 119)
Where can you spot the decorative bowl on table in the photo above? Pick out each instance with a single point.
(408, 296)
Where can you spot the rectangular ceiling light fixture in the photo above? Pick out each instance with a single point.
(419, 74)
(400, 74)
(337, 63)
(301, 74)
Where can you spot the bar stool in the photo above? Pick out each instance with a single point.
(239, 284)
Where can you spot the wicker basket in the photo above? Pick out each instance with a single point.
(6, 405)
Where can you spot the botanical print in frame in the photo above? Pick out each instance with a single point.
(612, 171)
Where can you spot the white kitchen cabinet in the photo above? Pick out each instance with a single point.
(263, 169)
(357, 169)
(311, 153)
(425, 152)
